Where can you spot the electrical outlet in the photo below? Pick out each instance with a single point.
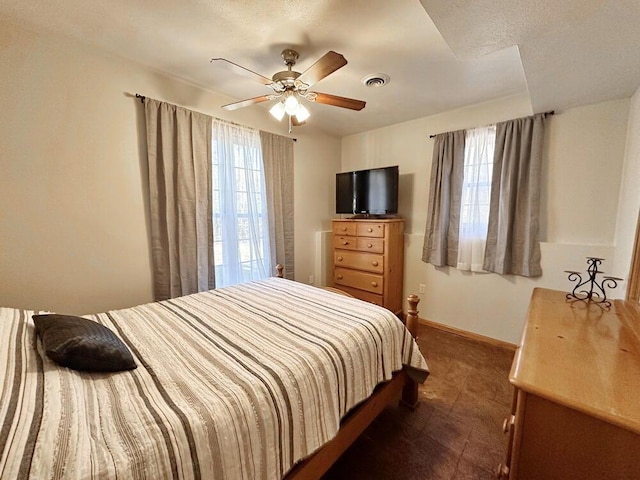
(422, 288)
(311, 279)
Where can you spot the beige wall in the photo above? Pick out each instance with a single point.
(585, 157)
(317, 159)
(629, 204)
(73, 221)
(581, 181)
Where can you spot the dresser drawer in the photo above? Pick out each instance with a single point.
(360, 261)
(370, 230)
(344, 228)
(369, 244)
(348, 243)
(362, 295)
(368, 259)
(369, 282)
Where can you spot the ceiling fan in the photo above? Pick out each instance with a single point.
(290, 86)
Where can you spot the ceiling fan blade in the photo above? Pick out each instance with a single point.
(325, 66)
(339, 101)
(247, 102)
(245, 72)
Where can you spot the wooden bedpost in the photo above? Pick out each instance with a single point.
(279, 269)
(410, 390)
(411, 321)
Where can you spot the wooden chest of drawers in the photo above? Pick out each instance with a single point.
(368, 258)
(576, 408)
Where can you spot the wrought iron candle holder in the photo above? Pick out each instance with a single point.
(596, 290)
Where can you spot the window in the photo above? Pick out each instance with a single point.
(241, 235)
(476, 196)
(462, 186)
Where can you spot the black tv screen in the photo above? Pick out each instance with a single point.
(369, 192)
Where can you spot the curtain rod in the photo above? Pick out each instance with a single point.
(550, 112)
(142, 98)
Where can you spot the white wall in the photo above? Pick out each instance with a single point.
(582, 174)
(317, 159)
(629, 203)
(581, 181)
(73, 203)
(73, 213)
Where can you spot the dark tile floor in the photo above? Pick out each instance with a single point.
(456, 431)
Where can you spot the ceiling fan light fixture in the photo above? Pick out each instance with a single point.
(302, 114)
(291, 104)
(278, 111)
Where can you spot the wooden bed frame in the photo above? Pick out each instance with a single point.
(400, 386)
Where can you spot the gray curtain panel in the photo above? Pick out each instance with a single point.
(277, 155)
(179, 155)
(512, 238)
(443, 215)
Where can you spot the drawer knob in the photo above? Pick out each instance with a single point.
(344, 229)
(502, 472)
(339, 277)
(374, 263)
(345, 243)
(369, 230)
(369, 245)
(339, 259)
(508, 423)
(374, 284)
(505, 425)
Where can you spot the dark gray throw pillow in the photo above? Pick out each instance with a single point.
(82, 344)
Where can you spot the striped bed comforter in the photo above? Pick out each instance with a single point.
(236, 383)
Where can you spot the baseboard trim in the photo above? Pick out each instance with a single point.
(470, 335)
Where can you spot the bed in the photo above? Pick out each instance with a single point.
(244, 382)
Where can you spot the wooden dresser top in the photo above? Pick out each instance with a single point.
(582, 356)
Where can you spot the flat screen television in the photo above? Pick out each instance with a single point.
(368, 192)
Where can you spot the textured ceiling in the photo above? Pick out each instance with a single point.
(573, 52)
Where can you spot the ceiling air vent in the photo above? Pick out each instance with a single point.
(376, 80)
